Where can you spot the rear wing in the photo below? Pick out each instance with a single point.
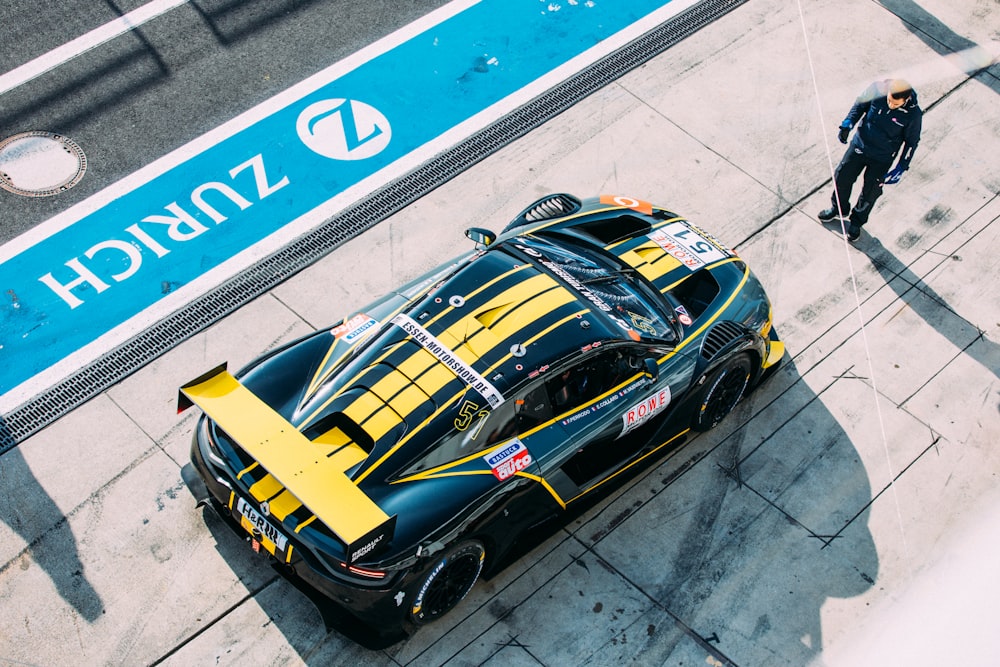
(300, 465)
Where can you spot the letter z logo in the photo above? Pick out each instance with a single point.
(343, 129)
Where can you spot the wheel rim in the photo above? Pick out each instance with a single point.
(727, 393)
(452, 584)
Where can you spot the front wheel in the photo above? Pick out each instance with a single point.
(448, 582)
(725, 385)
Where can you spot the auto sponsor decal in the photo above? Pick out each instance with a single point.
(373, 542)
(690, 248)
(355, 328)
(577, 286)
(445, 355)
(366, 548)
(710, 238)
(640, 413)
(509, 460)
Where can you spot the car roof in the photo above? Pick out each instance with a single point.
(492, 322)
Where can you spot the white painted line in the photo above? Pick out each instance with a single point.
(84, 43)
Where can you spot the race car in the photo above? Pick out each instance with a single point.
(385, 461)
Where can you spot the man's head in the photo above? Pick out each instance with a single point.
(899, 92)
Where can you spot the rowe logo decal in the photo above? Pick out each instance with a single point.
(343, 129)
(640, 413)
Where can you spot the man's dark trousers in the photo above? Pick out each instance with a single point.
(850, 167)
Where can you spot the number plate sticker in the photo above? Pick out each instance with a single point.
(687, 246)
(258, 526)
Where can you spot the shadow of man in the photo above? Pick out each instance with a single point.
(942, 39)
(31, 513)
(925, 302)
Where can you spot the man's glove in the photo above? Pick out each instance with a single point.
(843, 133)
(894, 175)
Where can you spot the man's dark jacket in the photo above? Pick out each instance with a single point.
(883, 130)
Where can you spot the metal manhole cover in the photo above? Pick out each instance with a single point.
(40, 164)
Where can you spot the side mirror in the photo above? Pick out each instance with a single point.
(652, 370)
(482, 237)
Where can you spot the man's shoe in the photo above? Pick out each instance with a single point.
(853, 233)
(828, 215)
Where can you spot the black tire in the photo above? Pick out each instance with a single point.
(449, 580)
(723, 390)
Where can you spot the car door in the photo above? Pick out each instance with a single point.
(595, 401)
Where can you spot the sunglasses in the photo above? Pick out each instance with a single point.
(901, 95)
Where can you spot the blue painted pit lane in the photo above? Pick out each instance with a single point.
(129, 256)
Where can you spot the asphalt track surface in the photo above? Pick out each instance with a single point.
(845, 515)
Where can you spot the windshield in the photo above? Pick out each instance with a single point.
(616, 290)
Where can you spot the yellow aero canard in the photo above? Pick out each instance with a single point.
(301, 466)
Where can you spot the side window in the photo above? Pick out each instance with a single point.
(571, 388)
(500, 425)
(577, 385)
(697, 292)
(533, 408)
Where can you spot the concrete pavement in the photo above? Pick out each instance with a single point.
(836, 518)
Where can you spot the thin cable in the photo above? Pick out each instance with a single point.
(854, 284)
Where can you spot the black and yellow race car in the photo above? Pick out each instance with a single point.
(386, 460)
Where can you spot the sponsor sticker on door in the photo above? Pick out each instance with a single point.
(509, 460)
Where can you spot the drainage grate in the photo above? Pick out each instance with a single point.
(114, 366)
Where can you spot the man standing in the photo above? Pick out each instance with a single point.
(890, 121)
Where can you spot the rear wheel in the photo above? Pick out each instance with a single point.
(724, 389)
(448, 582)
